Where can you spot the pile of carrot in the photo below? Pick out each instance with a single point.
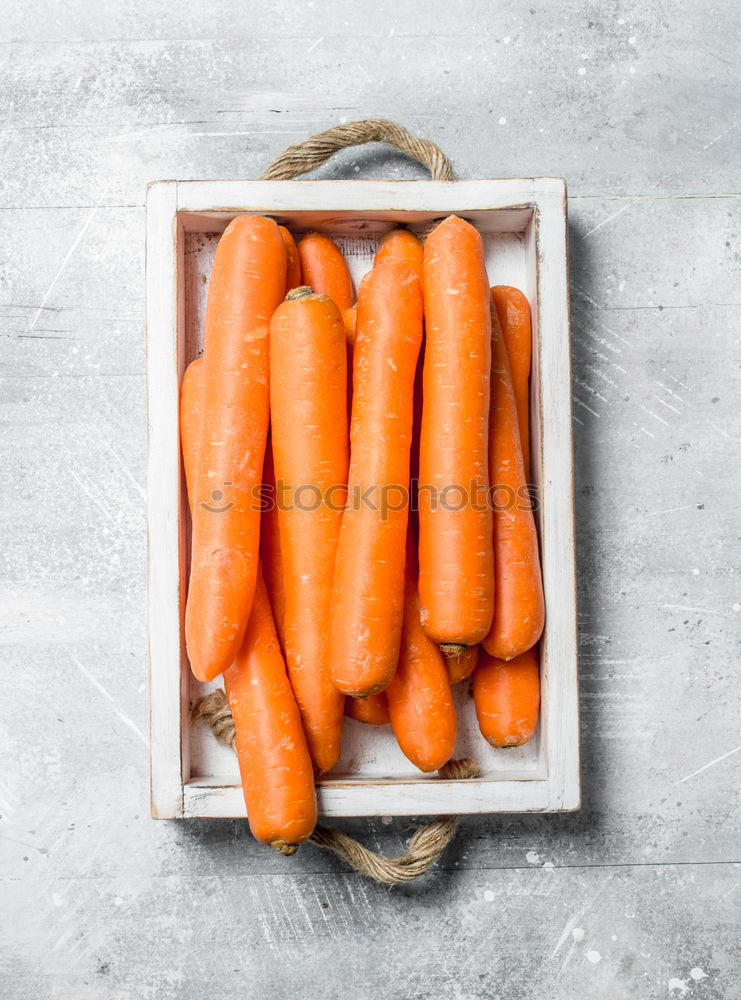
(362, 528)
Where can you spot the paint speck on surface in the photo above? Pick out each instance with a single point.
(737, 607)
(117, 901)
(489, 896)
(621, 20)
(506, 39)
(594, 957)
(695, 572)
(614, 937)
(548, 864)
(582, 71)
(697, 974)
(532, 858)
(578, 934)
(502, 120)
(632, 40)
(632, 69)
(680, 985)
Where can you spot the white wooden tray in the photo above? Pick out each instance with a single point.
(523, 223)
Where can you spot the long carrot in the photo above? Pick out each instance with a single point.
(513, 310)
(368, 588)
(272, 567)
(507, 698)
(419, 697)
(456, 576)
(462, 664)
(519, 608)
(324, 269)
(373, 710)
(402, 246)
(247, 283)
(274, 762)
(293, 263)
(308, 402)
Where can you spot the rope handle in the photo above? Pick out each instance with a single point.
(317, 149)
(425, 846)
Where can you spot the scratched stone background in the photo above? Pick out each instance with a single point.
(636, 104)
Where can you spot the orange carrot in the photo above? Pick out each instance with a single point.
(308, 402)
(519, 609)
(368, 588)
(507, 698)
(373, 710)
(191, 415)
(274, 762)
(247, 283)
(419, 697)
(350, 319)
(272, 568)
(513, 310)
(293, 264)
(323, 268)
(462, 664)
(402, 246)
(456, 575)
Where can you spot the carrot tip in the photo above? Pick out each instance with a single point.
(302, 292)
(452, 649)
(285, 849)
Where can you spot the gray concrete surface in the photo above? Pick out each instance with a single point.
(635, 104)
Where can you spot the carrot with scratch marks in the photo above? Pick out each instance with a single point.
(420, 698)
(519, 606)
(308, 405)
(368, 586)
(247, 283)
(507, 698)
(324, 269)
(274, 762)
(456, 574)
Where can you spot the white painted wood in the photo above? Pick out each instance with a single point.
(164, 368)
(523, 224)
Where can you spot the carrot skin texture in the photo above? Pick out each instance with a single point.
(419, 697)
(308, 398)
(247, 283)
(274, 762)
(462, 665)
(519, 606)
(373, 710)
(324, 269)
(272, 567)
(368, 587)
(293, 262)
(513, 311)
(456, 576)
(403, 247)
(507, 698)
